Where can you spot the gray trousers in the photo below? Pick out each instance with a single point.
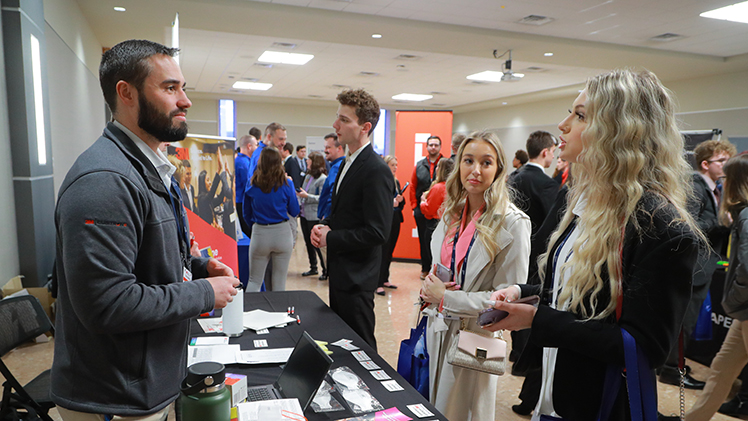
(270, 243)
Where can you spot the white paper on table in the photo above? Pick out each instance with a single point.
(212, 325)
(264, 356)
(261, 319)
(274, 410)
(224, 354)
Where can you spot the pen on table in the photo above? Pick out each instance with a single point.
(289, 310)
(293, 310)
(298, 320)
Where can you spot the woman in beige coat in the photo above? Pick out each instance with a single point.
(493, 249)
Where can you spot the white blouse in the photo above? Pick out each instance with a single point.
(561, 256)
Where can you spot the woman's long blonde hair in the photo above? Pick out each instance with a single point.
(496, 196)
(631, 145)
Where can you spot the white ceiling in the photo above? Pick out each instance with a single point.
(451, 39)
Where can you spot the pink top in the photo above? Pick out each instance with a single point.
(463, 242)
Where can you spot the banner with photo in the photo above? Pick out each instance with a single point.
(205, 173)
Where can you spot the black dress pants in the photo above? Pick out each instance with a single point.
(426, 229)
(356, 308)
(312, 252)
(387, 249)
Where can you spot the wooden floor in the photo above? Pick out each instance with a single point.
(396, 314)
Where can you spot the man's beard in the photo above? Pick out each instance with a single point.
(158, 124)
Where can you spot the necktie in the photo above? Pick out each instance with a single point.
(717, 194)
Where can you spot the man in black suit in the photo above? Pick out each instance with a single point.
(710, 157)
(536, 190)
(188, 191)
(536, 194)
(291, 165)
(360, 218)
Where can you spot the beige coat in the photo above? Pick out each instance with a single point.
(462, 394)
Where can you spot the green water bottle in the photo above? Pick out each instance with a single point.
(204, 394)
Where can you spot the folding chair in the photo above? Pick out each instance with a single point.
(22, 319)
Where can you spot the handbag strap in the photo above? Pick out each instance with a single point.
(641, 389)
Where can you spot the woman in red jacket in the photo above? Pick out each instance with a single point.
(431, 201)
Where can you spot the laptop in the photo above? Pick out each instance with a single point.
(306, 368)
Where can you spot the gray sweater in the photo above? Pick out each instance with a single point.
(311, 202)
(123, 310)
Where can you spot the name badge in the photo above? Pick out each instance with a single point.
(186, 275)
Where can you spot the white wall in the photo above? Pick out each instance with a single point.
(704, 103)
(77, 108)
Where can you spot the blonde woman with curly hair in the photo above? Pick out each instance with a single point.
(623, 254)
(485, 241)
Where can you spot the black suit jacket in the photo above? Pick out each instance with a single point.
(658, 264)
(360, 221)
(705, 212)
(535, 193)
(294, 171)
(189, 203)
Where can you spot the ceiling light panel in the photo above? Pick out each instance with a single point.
(285, 58)
(254, 86)
(737, 12)
(487, 76)
(412, 97)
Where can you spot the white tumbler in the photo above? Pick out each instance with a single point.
(233, 315)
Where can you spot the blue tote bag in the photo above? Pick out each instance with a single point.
(641, 387)
(413, 360)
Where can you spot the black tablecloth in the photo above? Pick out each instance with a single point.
(323, 325)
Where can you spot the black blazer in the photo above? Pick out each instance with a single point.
(705, 212)
(360, 221)
(658, 264)
(535, 193)
(397, 216)
(294, 171)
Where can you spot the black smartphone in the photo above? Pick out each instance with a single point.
(493, 315)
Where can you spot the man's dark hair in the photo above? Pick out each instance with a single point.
(335, 140)
(300, 147)
(521, 156)
(186, 163)
(272, 127)
(434, 137)
(254, 131)
(538, 141)
(367, 108)
(457, 140)
(288, 147)
(128, 61)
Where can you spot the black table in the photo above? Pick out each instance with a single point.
(323, 325)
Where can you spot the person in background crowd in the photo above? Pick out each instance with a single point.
(457, 139)
(561, 173)
(520, 159)
(432, 199)
(334, 155)
(360, 217)
(424, 174)
(710, 157)
(309, 195)
(622, 256)
(733, 355)
(241, 167)
(485, 241)
(257, 134)
(273, 199)
(291, 166)
(187, 189)
(122, 259)
(398, 203)
(301, 159)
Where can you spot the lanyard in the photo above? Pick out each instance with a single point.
(178, 210)
(555, 262)
(463, 270)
